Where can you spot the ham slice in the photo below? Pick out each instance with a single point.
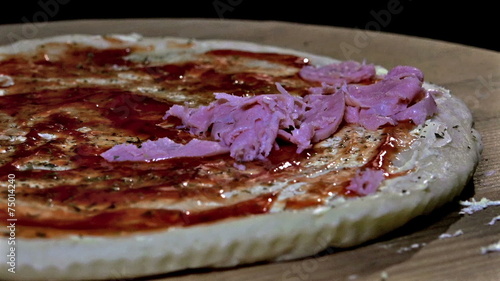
(320, 121)
(338, 73)
(389, 100)
(419, 111)
(366, 181)
(163, 148)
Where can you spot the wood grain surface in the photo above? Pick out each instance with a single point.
(414, 252)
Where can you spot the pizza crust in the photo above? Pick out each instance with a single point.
(441, 166)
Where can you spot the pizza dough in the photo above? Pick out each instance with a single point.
(437, 164)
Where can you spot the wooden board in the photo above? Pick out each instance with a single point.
(414, 252)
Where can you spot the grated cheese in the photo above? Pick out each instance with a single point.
(474, 206)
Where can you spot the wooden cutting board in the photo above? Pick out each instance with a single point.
(414, 252)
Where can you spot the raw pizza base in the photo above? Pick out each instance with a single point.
(442, 166)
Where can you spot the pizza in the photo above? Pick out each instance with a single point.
(125, 156)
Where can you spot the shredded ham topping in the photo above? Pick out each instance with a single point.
(366, 181)
(338, 73)
(392, 99)
(248, 127)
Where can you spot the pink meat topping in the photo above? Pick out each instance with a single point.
(338, 73)
(248, 127)
(163, 148)
(394, 98)
(366, 181)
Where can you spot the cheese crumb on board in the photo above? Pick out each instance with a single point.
(474, 206)
(493, 220)
(448, 235)
(495, 247)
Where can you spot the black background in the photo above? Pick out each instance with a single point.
(474, 23)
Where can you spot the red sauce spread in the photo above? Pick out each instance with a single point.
(58, 117)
